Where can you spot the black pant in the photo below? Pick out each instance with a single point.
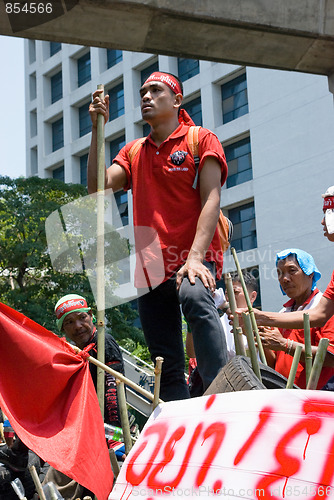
(160, 315)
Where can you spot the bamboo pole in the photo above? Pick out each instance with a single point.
(317, 365)
(117, 375)
(241, 341)
(100, 299)
(114, 463)
(250, 308)
(157, 377)
(251, 345)
(37, 482)
(124, 416)
(239, 345)
(294, 366)
(308, 347)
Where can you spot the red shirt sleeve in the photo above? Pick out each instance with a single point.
(329, 292)
(209, 145)
(123, 160)
(327, 332)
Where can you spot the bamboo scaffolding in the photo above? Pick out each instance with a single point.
(118, 376)
(317, 365)
(124, 416)
(237, 331)
(157, 378)
(37, 482)
(251, 345)
(308, 347)
(114, 463)
(250, 308)
(294, 366)
(100, 299)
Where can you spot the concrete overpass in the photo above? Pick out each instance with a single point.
(295, 35)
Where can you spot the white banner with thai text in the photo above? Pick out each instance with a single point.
(261, 444)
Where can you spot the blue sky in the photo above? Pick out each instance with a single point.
(12, 122)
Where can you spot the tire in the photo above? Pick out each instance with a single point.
(236, 375)
(271, 378)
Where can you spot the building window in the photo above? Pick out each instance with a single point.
(56, 87)
(146, 129)
(113, 57)
(194, 108)
(121, 198)
(84, 69)
(239, 160)
(85, 124)
(34, 161)
(146, 72)
(57, 135)
(32, 51)
(234, 98)
(187, 68)
(58, 173)
(32, 86)
(33, 123)
(54, 48)
(244, 227)
(116, 101)
(115, 146)
(83, 169)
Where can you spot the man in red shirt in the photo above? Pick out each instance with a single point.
(297, 276)
(182, 216)
(324, 310)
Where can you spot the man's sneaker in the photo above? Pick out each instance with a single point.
(15, 461)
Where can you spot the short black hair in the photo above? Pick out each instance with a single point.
(250, 280)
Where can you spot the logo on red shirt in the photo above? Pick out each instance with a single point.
(178, 157)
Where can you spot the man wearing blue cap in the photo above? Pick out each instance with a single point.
(297, 276)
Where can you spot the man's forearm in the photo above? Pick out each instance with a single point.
(289, 320)
(206, 226)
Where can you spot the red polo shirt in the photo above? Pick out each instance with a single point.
(161, 180)
(329, 292)
(284, 361)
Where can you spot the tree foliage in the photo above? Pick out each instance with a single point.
(28, 281)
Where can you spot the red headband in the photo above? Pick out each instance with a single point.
(168, 80)
(70, 305)
(328, 203)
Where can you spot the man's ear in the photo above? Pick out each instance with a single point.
(253, 296)
(178, 98)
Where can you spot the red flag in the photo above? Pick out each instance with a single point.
(48, 395)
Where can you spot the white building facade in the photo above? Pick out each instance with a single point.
(277, 129)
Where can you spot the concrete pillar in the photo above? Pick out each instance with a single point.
(331, 83)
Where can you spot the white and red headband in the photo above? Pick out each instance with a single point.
(167, 79)
(328, 209)
(68, 304)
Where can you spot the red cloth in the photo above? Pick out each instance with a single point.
(48, 395)
(329, 292)
(173, 205)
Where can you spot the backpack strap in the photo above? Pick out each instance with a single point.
(135, 148)
(224, 225)
(192, 138)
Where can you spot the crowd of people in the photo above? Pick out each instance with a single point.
(183, 208)
(176, 192)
